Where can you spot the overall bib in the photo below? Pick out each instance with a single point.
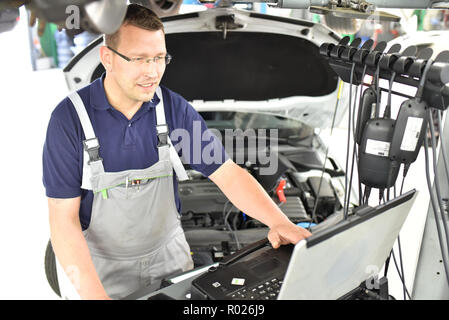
(135, 235)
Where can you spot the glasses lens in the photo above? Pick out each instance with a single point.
(168, 58)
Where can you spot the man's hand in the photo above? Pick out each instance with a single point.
(250, 197)
(286, 233)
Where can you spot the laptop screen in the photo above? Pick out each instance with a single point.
(336, 260)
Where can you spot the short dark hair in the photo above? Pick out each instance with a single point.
(138, 16)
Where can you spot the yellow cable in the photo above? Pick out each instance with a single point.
(340, 89)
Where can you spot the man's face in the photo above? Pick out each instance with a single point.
(138, 81)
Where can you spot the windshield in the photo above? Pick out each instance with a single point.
(221, 120)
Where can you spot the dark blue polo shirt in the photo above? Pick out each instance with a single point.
(124, 144)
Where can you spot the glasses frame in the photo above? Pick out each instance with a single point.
(168, 57)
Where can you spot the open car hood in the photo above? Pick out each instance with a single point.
(227, 59)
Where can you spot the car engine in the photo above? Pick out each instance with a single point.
(215, 228)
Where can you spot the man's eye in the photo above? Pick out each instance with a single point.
(159, 58)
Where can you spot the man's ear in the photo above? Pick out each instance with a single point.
(106, 58)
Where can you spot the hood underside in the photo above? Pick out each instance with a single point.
(245, 66)
(261, 63)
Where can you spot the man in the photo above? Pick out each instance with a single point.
(108, 171)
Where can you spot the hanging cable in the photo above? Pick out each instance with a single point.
(337, 103)
(435, 211)
(378, 91)
(381, 195)
(402, 268)
(400, 275)
(406, 166)
(387, 111)
(355, 149)
(361, 90)
(354, 153)
(436, 179)
(362, 201)
(366, 194)
(345, 209)
(347, 193)
(233, 232)
(387, 263)
(402, 183)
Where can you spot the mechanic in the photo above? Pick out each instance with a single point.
(108, 171)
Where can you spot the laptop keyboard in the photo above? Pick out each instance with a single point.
(266, 290)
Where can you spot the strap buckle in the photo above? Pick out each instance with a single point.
(92, 146)
(162, 135)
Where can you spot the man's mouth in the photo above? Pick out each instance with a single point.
(146, 85)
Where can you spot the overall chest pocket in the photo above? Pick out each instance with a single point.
(131, 189)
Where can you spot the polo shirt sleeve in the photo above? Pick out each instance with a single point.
(199, 146)
(61, 154)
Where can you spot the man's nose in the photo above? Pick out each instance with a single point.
(150, 69)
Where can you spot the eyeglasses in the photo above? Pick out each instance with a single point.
(159, 60)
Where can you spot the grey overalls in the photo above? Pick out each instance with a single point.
(135, 235)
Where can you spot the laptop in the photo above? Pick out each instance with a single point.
(327, 265)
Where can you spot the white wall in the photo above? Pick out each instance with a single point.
(26, 100)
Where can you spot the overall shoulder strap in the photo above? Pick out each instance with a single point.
(91, 145)
(164, 138)
(82, 115)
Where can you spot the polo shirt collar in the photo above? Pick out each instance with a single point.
(99, 101)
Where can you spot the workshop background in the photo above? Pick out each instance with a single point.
(31, 85)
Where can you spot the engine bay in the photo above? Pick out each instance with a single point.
(304, 192)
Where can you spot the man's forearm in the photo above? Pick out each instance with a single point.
(247, 194)
(71, 249)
